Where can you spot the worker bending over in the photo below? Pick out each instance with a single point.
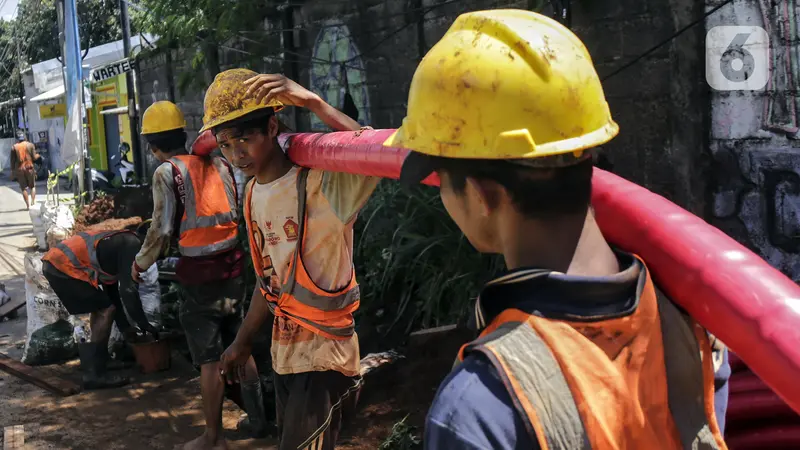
(76, 268)
(301, 240)
(578, 349)
(23, 155)
(194, 198)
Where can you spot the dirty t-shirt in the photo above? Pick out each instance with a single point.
(16, 161)
(333, 202)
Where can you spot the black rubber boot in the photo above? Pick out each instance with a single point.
(93, 365)
(255, 422)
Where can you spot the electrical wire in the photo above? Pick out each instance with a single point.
(667, 40)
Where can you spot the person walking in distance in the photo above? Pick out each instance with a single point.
(194, 199)
(23, 154)
(577, 348)
(300, 224)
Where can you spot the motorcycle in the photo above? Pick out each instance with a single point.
(109, 181)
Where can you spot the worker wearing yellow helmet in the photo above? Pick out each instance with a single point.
(300, 226)
(194, 198)
(576, 351)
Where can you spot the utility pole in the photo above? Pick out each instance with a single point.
(133, 113)
(85, 165)
(21, 83)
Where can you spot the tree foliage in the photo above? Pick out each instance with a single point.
(201, 26)
(33, 36)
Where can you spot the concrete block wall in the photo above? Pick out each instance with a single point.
(661, 102)
(756, 164)
(662, 116)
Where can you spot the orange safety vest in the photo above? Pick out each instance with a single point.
(642, 381)
(76, 257)
(210, 211)
(326, 313)
(23, 158)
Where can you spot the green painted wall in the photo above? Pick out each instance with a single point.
(111, 93)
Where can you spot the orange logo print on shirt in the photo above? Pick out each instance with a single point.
(290, 228)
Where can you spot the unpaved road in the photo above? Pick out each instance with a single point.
(158, 411)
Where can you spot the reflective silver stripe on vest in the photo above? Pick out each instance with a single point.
(333, 331)
(210, 249)
(685, 386)
(191, 221)
(94, 271)
(539, 375)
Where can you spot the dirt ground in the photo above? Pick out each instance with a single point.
(157, 411)
(162, 410)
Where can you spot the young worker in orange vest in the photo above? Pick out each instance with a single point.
(301, 240)
(76, 268)
(578, 350)
(22, 157)
(195, 199)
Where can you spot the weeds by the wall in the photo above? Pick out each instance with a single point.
(403, 437)
(415, 267)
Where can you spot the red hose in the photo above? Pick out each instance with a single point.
(746, 382)
(735, 294)
(749, 406)
(772, 438)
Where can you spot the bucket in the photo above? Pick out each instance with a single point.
(152, 356)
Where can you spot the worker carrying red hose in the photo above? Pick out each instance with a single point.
(195, 199)
(300, 224)
(578, 348)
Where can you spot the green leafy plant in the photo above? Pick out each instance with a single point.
(403, 437)
(415, 267)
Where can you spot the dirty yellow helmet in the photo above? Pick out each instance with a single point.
(226, 100)
(505, 84)
(162, 116)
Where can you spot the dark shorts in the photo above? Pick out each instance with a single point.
(26, 179)
(312, 407)
(211, 315)
(78, 297)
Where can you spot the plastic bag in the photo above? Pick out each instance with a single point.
(56, 234)
(4, 297)
(49, 329)
(150, 295)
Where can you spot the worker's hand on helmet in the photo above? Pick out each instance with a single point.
(267, 87)
(232, 361)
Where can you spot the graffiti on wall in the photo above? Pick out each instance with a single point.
(338, 74)
(780, 107)
(755, 143)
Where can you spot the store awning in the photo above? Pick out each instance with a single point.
(49, 95)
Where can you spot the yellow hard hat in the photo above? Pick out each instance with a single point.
(505, 84)
(226, 100)
(162, 116)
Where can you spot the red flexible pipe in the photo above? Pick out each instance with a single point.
(776, 437)
(746, 382)
(735, 294)
(746, 407)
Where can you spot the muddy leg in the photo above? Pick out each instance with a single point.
(212, 389)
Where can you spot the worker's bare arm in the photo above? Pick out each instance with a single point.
(161, 229)
(236, 355)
